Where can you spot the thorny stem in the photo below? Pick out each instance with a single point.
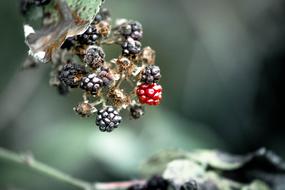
(29, 161)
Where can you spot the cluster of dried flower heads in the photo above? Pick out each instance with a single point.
(125, 82)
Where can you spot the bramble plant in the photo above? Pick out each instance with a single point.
(78, 61)
(70, 36)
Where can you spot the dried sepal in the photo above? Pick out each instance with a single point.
(84, 109)
(118, 98)
(147, 56)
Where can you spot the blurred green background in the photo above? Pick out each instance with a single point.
(223, 76)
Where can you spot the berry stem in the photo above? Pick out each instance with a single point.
(29, 161)
(85, 98)
(98, 102)
(122, 77)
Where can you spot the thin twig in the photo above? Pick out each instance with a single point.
(29, 161)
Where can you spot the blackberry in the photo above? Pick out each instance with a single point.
(91, 84)
(71, 74)
(151, 74)
(136, 111)
(150, 94)
(131, 46)
(108, 119)
(89, 37)
(104, 14)
(94, 57)
(68, 43)
(157, 183)
(131, 29)
(137, 187)
(106, 76)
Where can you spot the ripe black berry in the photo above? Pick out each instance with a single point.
(157, 183)
(136, 111)
(137, 187)
(106, 76)
(103, 14)
(151, 74)
(89, 37)
(71, 74)
(108, 119)
(131, 29)
(94, 57)
(91, 84)
(68, 43)
(131, 46)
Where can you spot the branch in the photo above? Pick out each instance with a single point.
(29, 161)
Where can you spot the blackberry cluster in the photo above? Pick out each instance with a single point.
(108, 119)
(108, 86)
(91, 83)
(94, 57)
(151, 74)
(71, 74)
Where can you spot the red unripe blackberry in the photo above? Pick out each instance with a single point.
(91, 84)
(150, 94)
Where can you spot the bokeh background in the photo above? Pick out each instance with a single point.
(223, 76)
